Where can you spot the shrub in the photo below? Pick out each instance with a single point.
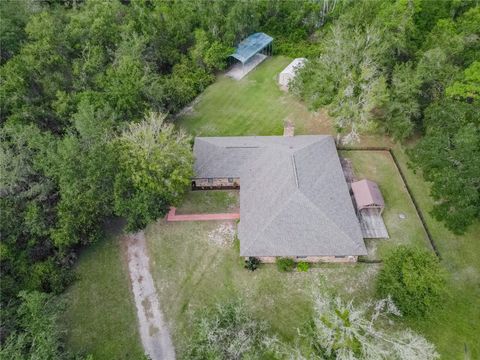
(303, 266)
(226, 332)
(252, 263)
(285, 264)
(414, 280)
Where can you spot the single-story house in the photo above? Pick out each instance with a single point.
(288, 74)
(294, 200)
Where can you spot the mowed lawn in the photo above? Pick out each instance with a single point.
(254, 105)
(210, 201)
(455, 328)
(401, 219)
(100, 318)
(197, 264)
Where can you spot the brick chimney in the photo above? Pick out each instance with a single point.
(288, 128)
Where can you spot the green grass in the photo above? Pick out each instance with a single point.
(101, 316)
(192, 271)
(379, 167)
(254, 105)
(209, 201)
(455, 327)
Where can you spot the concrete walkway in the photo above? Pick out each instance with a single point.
(171, 216)
(154, 332)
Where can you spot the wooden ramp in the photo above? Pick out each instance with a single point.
(372, 225)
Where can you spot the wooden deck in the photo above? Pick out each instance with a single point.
(372, 225)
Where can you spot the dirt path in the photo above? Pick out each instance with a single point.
(154, 332)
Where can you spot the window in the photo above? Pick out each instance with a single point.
(210, 181)
(339, 257)
(230, 180)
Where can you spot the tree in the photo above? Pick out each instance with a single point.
(340, 330)
(467, 88)
(348, 77)
(14, 15)
(155, 168)
(449, 156)
(226, 332)
(403, 107)
(414, 280)
(40, 336)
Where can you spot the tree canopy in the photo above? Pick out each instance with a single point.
(414, 280)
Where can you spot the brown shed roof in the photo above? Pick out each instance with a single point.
(367, 194)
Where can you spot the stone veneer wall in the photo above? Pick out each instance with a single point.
(312, 259)
(217, 183)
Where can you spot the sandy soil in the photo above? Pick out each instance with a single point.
(154, 332)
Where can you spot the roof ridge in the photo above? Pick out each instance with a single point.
(272, 217)
(330, 220)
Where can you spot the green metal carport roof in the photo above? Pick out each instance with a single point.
(251, 46)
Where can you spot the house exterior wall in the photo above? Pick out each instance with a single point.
(312, 259)
(215, 183)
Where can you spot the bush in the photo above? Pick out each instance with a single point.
(285, 264)
(226, 332)
(414, 280)
(303, 266)
(252, 263)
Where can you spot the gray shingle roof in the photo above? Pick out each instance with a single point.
(294, 199)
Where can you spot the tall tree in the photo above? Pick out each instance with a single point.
(155, 168)
(449, 156)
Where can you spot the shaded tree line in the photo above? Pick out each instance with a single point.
(408, 68)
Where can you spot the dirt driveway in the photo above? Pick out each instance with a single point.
(154, 332)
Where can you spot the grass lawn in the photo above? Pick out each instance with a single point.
(101, 316)
(192, 269)
(379, 167)
(455, 328)
(254, 105)
(209, 201)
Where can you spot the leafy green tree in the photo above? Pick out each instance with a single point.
(414, 280)
(449, 156)
(155, 168)
(348, 77)
(39, 337)
(83, 166)
(403, 107)
(14, 15)
(468, 88)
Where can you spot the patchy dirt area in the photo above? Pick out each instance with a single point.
(154, 332)
(223, 234)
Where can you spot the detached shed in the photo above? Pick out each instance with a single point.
(367, 195)
(288, 74)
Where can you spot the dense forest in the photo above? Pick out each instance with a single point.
(87, 88)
